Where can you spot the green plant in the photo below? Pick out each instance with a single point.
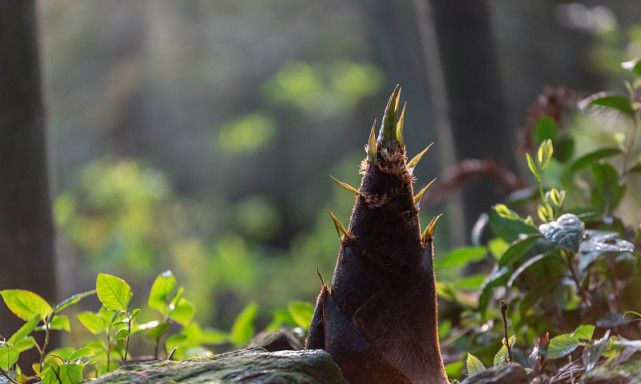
(575, 269)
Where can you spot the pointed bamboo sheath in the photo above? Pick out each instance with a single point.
(379, 318)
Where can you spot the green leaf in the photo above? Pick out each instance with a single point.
(532, 166)
(68, 302)
(60, 323)
(608, 100)
(8, 357)
(592, 157)
(162, 292)
(501, 356)
(154, 329)
(243, 328)
(470, 283)
(454, 370)
(113, 292)
(68, 374)
(544, 153)
(25, 304)
(497, 247)
(608, 190)
(564, 148)
(531, 261)
(24, 331)
(510, 229)
(498, 277)
(183, 312)
(565, 344)
(545, 128)
(460, 257)
(93, 322)
(301, 312)
(24, 344)
(518, 249)
(80, 353)
(473, 365)
(635, 168)
(633, 66)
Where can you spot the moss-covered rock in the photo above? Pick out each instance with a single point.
(253, 365)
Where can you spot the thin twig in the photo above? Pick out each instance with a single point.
(6, 374)
(507, 339)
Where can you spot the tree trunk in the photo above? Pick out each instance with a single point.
(466, 89)
(26, 229)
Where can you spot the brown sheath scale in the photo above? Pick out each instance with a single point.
(378, 319)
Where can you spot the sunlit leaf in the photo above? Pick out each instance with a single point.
(25, 304)
(93, 322)
(8, 357)
(460, 257)
(66, 303)
(301, 312)
(501, 356)
(24, 331)
(113, 292)
(473, 365)
(183, 312)
(243, 328)
(162, 291)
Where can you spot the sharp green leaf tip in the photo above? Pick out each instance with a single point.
(431, 227)
(399, 125)
(345, 186)
(388, 125)
(414, 162)
(371, 145)
(340, 228)
(419, 195)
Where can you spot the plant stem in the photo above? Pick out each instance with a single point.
(569, 257)
(127, 339)
(43, 350)
(507, 338)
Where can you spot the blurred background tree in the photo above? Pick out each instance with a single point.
(198, 136)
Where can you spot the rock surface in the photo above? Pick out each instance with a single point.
(252, 365)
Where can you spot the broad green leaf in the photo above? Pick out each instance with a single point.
(473, 365)
(66, 303)
(501, 356)
(470, 283)
(460, 257)
(608, 190)
(25, 304)
(566, 343)
(243, 328)
(523, 267)
(162, 292)
(210, 336)
(498, 277)
(24, 344)
(497, 247)
(510, 229)
(301, 312)
(454, 370)
(564, 148)
(545, 128)
(93, 322)
(517, 250)
(183, 312)
(8, 357)
(561, 346)
(24, 331)
(68, 373)
(113, 292)
(592, 157)
(60, 323)
(281, 317)
(608, 100)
